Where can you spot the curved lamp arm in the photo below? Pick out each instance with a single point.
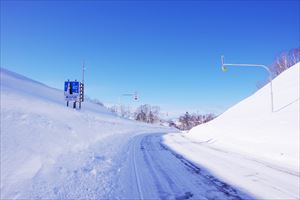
(224, 69)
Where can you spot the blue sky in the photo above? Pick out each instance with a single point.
(167, 51)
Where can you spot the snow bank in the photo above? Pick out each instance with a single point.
(251, 128)
(37, 128)
(250, 147)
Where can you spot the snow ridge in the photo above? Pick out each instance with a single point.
(45, 144)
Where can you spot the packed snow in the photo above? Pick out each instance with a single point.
(249, 146)
(49, 150)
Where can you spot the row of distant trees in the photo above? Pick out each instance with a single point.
(188, 121)
(144, 113)
(147, 113)
(122, 110)
(282, 61)
(285, 60)
(151, 114)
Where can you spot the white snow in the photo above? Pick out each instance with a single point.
(156, 172)
(50, 151)
(249, 146)
(46, 146)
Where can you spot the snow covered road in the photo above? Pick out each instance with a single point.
(260, 178)
(123, 166)
(49, 151)
(153, 171)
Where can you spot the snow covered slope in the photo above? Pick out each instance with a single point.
(40, 134)
(248, 145)
(250, 127)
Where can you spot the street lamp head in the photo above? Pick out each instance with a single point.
(135, 96)
(224, 69)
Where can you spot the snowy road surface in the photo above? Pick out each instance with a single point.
(142, 166)
(152, 171)
(260, 178)
(125, 166)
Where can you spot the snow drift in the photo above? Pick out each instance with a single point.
(38, 131)
(250, 147)
(251, 128)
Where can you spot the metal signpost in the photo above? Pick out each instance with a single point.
(71, 91)
(74, 91)
(224, 69)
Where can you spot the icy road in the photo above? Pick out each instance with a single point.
(153, 171)
(127, 166)
(142, 166)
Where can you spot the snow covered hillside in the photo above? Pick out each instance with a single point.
(248, 145)
(42, 140)
(251, 127)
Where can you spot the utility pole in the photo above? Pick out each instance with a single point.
(224, 69)
(83, 72)
(81, 86)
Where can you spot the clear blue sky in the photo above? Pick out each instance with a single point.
(168, 51)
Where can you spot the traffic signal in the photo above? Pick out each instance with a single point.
(135, 96)
(81, 92)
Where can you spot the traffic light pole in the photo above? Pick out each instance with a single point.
(130, 95)
(135, 95)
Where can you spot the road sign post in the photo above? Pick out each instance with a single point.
(72, 92)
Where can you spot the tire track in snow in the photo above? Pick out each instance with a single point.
(138, 182)
(177, 178)
(153, 167)
(220, 185)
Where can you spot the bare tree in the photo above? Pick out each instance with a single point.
(284, 61)
(124, 111)
(294, 56)
(188, 121)
(147, 113)
(113, 109)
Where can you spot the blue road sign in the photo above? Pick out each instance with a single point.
(71, 90)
